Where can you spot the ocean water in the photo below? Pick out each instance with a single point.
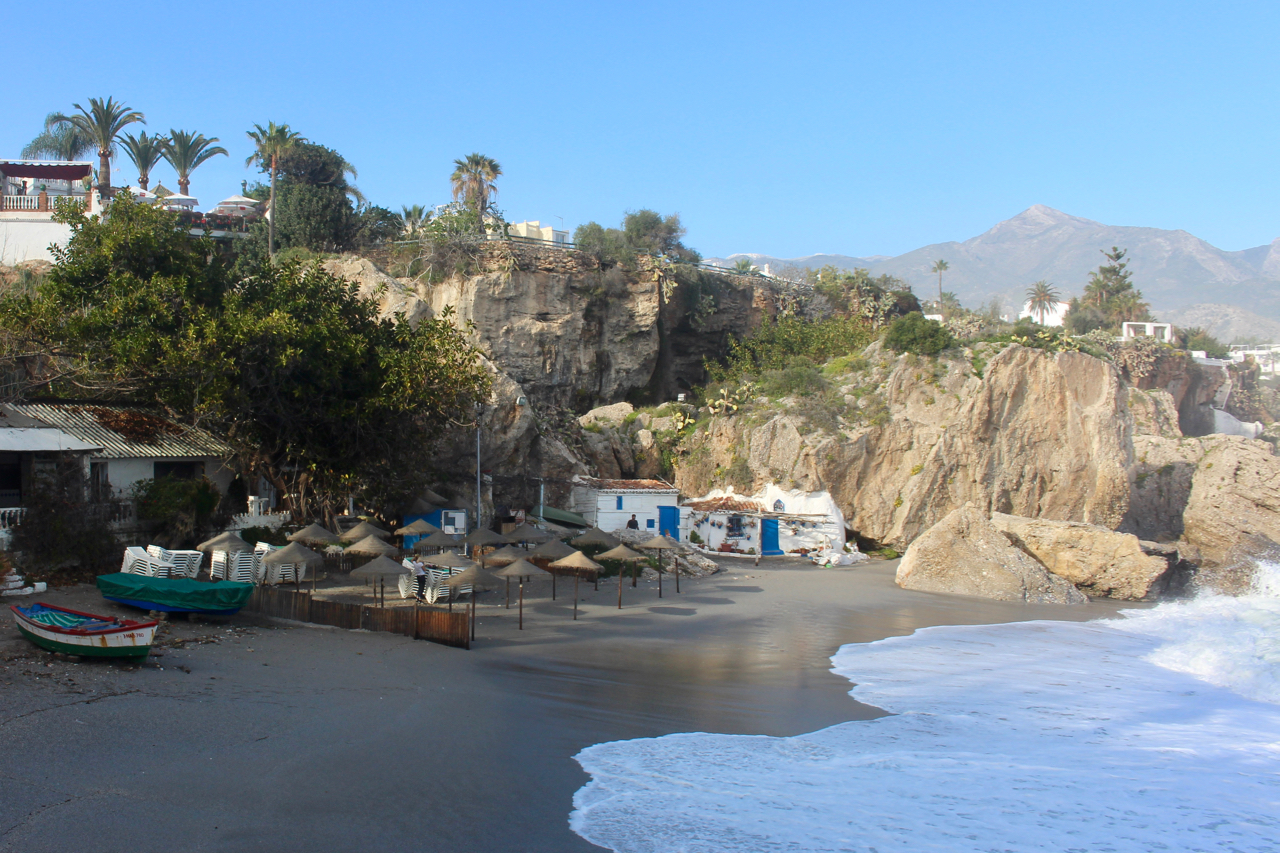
(1156, 731)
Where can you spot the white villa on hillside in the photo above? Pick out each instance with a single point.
(535, 230)
(30, 190)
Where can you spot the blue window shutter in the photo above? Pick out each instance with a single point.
(619, 501)
(649, 523)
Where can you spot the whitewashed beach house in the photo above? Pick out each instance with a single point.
(609, 504)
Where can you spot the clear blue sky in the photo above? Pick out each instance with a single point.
(784, 128)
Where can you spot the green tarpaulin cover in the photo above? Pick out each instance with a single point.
(183, 593)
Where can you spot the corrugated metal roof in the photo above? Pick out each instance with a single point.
(156, 437)
(626, 485)
(41, 440)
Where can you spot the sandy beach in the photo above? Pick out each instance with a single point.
(244, 734)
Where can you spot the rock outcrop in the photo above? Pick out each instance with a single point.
(1234, 497)
(1038, 435)
(966, 554)
(1097, 561)
(394, 297)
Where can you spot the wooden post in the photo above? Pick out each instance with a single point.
(521, 624)
(575, 596)
(473, 613)
(619, 589)
(415, 619)
(509, 593)
(659, 574)
(633, 574)
(675, 567)
(553, 586)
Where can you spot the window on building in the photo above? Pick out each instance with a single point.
(619, 501)
(649, 523)
(178, 470)
(733, 527)
(779, 506)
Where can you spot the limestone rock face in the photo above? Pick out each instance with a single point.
(612, 415)
(393, 296)
(1098, 561)
(966, 554)
(1038, 435)
(1154, 413)
(1235, 496)
(1163, 468)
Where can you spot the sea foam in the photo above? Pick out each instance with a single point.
(1155, 731)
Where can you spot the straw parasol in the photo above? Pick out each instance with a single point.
(503, 556)
(372, 545)
(449, 560)
(314, 534)
(439, 539)
(553, 550)
(229, 542)
(578, 561)
(294, 552)
(380, 567)
(660, 544)
(418, 527)
(596, 536)
(482, 536)
(626, 555)
(362, 530)
(528, 533)
(518, 569)
(434, 497)
(472, 577)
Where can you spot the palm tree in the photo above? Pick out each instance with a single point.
(101, 124)
(185, 151)
(271, 142)
(472, 181)
(1041, 299)
(939, 267)
(145, 152)
(58, 142)
(744, 266)
(414, 218)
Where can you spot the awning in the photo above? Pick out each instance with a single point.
(559, 516)
(24, 440)
(45, 169)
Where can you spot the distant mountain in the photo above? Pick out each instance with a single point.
(1227, 323)
(1173, 269)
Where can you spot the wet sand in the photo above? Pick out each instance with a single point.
(279, 737)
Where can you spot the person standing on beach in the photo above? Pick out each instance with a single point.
(632, 524)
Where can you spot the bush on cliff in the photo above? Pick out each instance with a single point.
(914, 334)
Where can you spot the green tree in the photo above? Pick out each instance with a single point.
(58, 142)
(145, 152)
(939, 266)
(290, 366)
(1197, 338)
(473, 183)
(914, 334)
(102, 123)
(186, 151)
(270, 143)
(1109, 298)
(1042, 298)
(744, 266)
(414, 217)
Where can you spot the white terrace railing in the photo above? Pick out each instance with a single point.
(10, 516)
(22, 202)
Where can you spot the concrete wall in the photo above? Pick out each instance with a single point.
(28, 239)
(123, 473)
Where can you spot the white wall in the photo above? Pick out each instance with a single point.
(123, 473)
(643, 505)
(29, 239)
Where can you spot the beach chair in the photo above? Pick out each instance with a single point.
(238, 566)
(139, 562)
(186, 563)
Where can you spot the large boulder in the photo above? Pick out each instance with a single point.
(1234, 499)
(1096, 560)
(393, 297)
(967, 555)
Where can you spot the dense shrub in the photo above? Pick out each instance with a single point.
(776, 346)
(61, 528)
(178, 511)
(914, 334)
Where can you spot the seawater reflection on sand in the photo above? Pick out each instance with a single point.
(1155, 731)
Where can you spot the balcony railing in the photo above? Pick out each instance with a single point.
(36, 202)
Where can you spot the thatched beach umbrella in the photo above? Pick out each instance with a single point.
(373, 545)
(449, 560)
(503, 556)
(471, 577)
(528, 533)
(482, 537)
(378, 570)
(229, 542)
(625, 555)
(437, 541)
(294, 552)
(596, 536)
(660, 544)
(314, 534)
(553, 550)
(363, 529)
(417, 528)
(519, 569)
(579, 561)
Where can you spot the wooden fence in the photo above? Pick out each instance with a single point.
(421, 623)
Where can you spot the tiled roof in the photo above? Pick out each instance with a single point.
(150, 436)
(627, 485)
(725, 504)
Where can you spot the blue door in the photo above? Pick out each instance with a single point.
(769, 537)
(669, 521)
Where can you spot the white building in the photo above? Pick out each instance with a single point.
(28, 191)
(610, 504)
(1160, 331)
(1052, 317)
(774, 522)
(535, 230)
(1267, 356)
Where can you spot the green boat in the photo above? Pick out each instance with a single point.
(175, 595)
